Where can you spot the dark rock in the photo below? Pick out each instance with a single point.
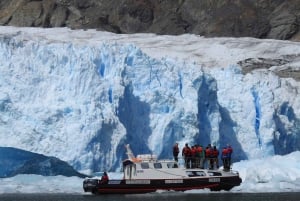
(284, 23)
(286, 71)
(251, 64)
(58, 19)
(27, 15)
(277, 19)
(16, 161)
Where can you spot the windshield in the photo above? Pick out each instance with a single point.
(97, 174)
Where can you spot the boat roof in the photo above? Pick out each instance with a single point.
(146, 158)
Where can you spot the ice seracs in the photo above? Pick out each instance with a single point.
(80, 95)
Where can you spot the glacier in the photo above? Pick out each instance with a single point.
(81, 95)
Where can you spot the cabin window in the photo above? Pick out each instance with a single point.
(172, 165)
(145, 165)
(157, 165)
(195, 173)
(200, 174)
(214, 174)
(190, 173)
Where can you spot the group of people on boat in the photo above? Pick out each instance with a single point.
(200, 157)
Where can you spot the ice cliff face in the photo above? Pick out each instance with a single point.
(81, 98)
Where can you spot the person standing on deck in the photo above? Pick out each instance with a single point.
(198, 152)
(225, 159)
(104, 178)
(186, 153)
(230, 150)
(215, 153)
(202, 156)
(209, 156)
(175, 152)
(193, 155)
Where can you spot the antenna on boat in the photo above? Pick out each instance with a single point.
(129, 152)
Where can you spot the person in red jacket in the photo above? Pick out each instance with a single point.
(215, 154)
(193, 155)
(209, 156)
(225, 159)
(104, 178)
(230, 150)
(186, 153)
(198, 151)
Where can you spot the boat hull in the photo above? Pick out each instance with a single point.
(146, 186)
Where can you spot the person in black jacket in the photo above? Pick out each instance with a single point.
(175, 152)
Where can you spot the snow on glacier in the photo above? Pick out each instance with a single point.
(81, 95)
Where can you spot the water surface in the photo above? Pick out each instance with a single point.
(172, 196)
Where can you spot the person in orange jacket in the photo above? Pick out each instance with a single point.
(209, 156)
(193, 154)
(198, 151)
(215, 154)
(186, 153)
(225, 160)
(230, 150)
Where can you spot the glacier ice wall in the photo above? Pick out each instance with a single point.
(83, 103)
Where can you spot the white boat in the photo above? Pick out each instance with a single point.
(145, 173)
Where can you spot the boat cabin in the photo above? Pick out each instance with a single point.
(148, 167)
